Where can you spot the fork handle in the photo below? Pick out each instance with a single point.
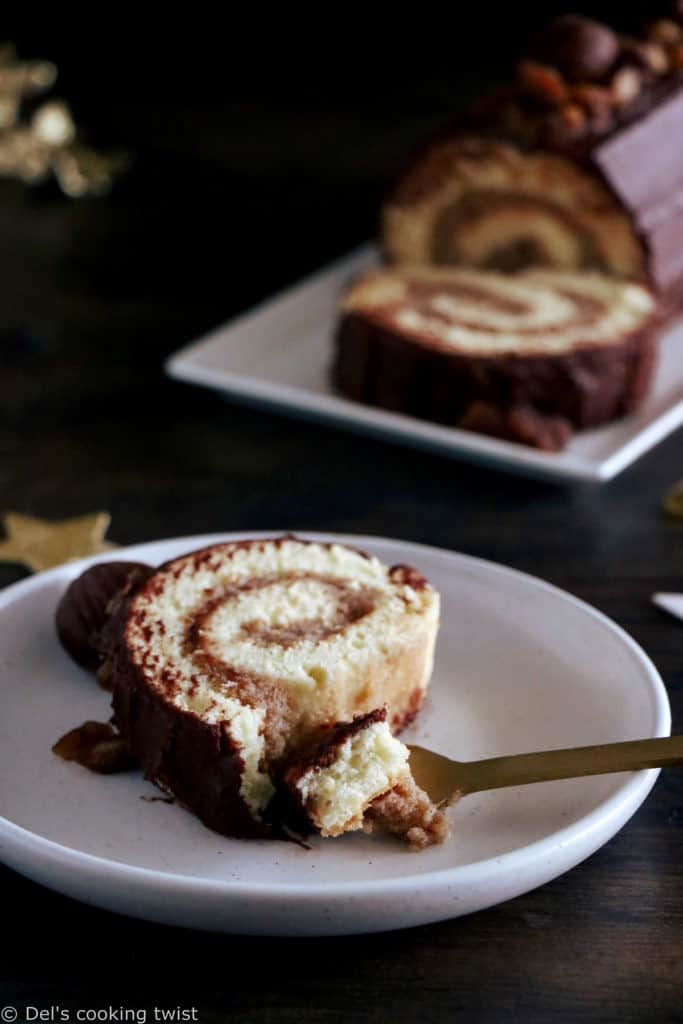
(518, 769)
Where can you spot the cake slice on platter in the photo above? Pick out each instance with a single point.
(530, 357)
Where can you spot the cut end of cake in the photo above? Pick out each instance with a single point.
(358, 777)
(528, 357)
(474, 313)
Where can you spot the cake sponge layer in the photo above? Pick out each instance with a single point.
(366, 765)
(358, 776)
(476, 201)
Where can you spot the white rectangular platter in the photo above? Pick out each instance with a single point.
(278, 356)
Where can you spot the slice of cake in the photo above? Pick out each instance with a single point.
(529, 357)
(228, 661)
(358, 776)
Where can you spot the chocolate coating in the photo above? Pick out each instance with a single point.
(585, 387)
(183, 754)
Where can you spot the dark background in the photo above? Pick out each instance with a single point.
(262, 145)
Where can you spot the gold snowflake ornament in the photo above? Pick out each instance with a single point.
(47, 143)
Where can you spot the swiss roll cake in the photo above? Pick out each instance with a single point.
(229, 662)
(530, 357)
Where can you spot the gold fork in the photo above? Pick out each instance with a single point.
(446, 780)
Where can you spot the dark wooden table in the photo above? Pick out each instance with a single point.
(227, 202)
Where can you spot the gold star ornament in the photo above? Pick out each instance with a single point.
(42, 544)
(673, 501)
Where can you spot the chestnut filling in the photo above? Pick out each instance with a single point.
(521, 249)
(426, 298)
(348, 605)
(344, 605)
(520, 253)
(422, 295)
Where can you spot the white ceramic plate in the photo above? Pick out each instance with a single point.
(520, 666)
(278, 356)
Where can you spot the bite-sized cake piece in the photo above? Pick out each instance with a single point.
(232, 658)
(339, 784)
(575, 164)
(529, 357)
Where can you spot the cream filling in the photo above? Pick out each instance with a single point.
(367, 765)
(478, 328)
(309, 663)
(502, 227)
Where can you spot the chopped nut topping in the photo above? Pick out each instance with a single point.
(648, 56)
(569, 123)
(665, 31)
(597, 102)
(543, 83)
(626, 86)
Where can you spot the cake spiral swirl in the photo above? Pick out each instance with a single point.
(235, 657)
(479, 202)
(443, 344)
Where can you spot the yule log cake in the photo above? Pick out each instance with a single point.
(577, 163)
(233, 665)
(528, 357)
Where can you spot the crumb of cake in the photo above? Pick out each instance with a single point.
(407, 812)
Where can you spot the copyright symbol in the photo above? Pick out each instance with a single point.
(8, 1013)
